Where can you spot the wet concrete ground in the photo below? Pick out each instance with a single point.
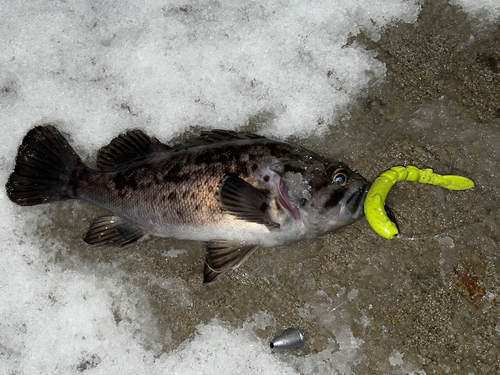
(428, 301)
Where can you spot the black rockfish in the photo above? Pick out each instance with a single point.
(238, 191)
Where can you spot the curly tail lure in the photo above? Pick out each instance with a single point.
(375, 200)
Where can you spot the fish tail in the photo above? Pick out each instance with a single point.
(47, 168)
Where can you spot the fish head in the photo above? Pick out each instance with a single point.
(327, 196)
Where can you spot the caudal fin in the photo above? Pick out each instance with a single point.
(46, 168)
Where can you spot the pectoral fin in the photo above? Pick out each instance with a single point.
(223, 256)
(244, 201)
(114, 231)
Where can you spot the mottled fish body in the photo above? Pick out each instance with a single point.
(238, 191)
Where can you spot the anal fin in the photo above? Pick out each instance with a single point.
(224, 256)
(114, 231)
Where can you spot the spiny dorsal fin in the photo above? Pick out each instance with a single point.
(224, 256)
(216, 136)
(244, 201)
(114, 231)
(128, 148)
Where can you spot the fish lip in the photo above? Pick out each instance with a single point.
(357, 208)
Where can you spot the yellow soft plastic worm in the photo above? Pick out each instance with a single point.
(375, 200)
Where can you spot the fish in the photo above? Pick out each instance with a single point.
(236, 191)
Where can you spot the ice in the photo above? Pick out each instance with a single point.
(97, 68)
(396, 358)
(170, 66)
(173, 253)
(56, 321)
(352, 294)
(487, 9)
(215, 348)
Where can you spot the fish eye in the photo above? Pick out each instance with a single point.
(340, 176)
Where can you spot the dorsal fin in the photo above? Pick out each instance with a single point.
(128, 148)
(216, 136)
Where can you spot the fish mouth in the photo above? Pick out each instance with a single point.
(356, 202)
